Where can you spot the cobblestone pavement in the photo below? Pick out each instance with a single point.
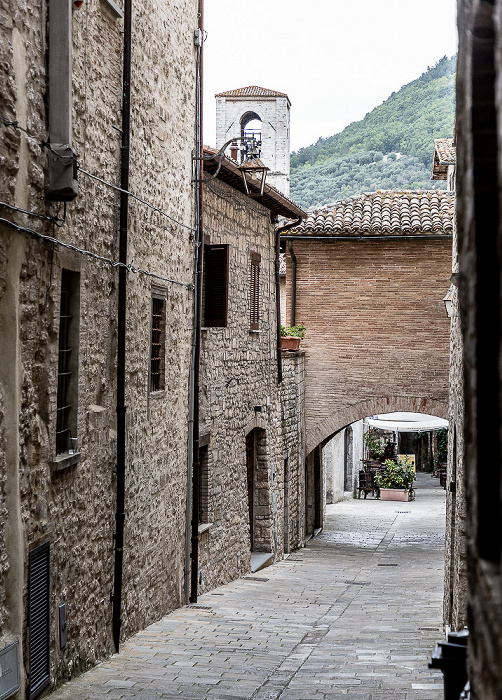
(353, 615)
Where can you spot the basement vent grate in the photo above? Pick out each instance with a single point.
(358, 583)
(386, 564)
(403, 511)
(200, 607)
(254, 578)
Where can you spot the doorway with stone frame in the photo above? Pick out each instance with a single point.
(259, 491)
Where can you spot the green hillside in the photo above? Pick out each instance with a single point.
(362, 158)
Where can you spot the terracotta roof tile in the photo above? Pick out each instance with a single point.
(384, 212)
(447, 153)
(251, 91)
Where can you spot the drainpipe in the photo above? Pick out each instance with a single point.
(292, 320)
(62, 166)
(121, 328)
(278, 232)
(193, 471)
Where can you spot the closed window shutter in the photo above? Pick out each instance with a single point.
(254, 292)
(39, 619)
(216, 285)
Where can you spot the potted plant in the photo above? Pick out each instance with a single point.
(395, 479)
(291, 336)
(372, 442)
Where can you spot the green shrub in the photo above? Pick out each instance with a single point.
(297, 331)
(397, 474)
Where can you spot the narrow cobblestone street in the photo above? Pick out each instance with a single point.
(353, 615)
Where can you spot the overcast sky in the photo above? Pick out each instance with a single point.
(336, 59)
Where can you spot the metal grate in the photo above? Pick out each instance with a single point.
(39, 619)
(157, 349)
(254, 293)
(63, 408)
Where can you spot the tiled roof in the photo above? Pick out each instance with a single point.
(229, 172)
(251, 91)
(383, 212)
(445, 154)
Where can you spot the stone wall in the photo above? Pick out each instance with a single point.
(292, 398)
(70, 503)
(274, 115)
(342, 457)
(478, 221)
(239, 373)
(377, 333)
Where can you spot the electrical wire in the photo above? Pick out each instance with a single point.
(134, 196)
(45, 144)
(95, 256)
(54, 219)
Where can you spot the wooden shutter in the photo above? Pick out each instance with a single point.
(254, 292)
(39, 619)
(216, 285)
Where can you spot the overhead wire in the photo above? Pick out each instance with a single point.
(45, 144)
(109, 261)
(135, 196)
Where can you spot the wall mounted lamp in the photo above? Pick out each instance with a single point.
(448, 302)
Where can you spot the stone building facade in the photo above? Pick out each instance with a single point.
(235, 109)
(252, 454)
(455, 589)
(57, 499)
(478, 221)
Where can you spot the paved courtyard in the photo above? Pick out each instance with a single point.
(353, 615)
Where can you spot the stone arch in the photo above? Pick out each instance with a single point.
(255, 421)
(326, 428)
(247, 117)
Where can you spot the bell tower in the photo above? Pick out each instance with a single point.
(260, 115)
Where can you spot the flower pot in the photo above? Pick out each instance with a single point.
(393, 494)
(289, 342)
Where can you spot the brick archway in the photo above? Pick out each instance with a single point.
(385, 404)
(378, 337)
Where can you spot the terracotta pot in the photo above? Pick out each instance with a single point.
(289, 342)
(393, 495)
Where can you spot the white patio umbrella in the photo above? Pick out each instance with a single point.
(402, 422)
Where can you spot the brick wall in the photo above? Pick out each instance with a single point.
(377, 332)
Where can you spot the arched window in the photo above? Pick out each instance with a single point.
(250, 130)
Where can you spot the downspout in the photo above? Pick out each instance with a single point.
(292, 320)
(278, 232)
(193, 470)
(121, 327)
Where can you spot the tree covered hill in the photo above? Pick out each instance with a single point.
(391, 148)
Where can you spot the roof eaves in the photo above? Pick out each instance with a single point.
(272, 199)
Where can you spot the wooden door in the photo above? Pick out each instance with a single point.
(250, 466)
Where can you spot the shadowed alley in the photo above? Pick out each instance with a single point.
(355, 614)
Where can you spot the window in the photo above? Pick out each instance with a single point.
(215, 280)
(203, 485)
(39, 618)
(66, 409)
(254, 292)
(158, 345)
